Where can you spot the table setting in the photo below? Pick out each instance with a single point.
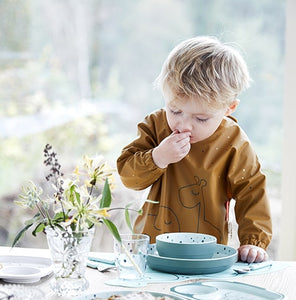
(237, 270)
(105, 283)
(180, 265)
(214, 266)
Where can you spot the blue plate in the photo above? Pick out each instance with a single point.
(106, 295)
(224, 290)
(223, 258)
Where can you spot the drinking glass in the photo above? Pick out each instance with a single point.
(131, 256)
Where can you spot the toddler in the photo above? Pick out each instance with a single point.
(195, 156)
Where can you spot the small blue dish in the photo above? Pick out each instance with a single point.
(187, 245)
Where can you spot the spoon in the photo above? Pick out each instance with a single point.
(253, 267)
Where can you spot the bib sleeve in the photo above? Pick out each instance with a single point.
(248, 188)
(135, 165)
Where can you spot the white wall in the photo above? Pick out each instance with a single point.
(287, 247)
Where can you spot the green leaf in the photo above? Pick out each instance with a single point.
(58, 217)
(77, 197)
(72, 191)
(59, 226)
(40, 227)
(127, 219)
(35, 219)
(113, 229)
(106, 196)
(20, 234)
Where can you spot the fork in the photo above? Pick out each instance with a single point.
(103, 269)
(100, 266)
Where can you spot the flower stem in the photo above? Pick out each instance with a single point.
(41, 212)
(90, 192)
(118, 208)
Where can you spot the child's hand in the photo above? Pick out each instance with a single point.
(172, 149)
(250, 254)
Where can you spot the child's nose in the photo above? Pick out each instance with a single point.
(185, 125)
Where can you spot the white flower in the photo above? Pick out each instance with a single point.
(30, 196)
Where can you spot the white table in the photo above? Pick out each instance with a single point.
(283, 281)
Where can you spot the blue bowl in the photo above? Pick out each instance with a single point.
(186, 245)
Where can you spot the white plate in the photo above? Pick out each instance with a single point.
(24, 269)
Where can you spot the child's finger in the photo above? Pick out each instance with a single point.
(243, 253)
(259, 257)
(180, 135)
(184, 142)
(252, 255)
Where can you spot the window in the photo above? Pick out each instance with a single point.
(78, 74)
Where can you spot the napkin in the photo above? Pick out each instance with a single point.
(100, 260)
(103, 257)
(153, 276)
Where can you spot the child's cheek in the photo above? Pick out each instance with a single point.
(172, 124)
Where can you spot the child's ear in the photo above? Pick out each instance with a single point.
(232, 107)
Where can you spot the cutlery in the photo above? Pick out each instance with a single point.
(105, 269)
(253, 267)
(100, 266)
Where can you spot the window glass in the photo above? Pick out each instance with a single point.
(79, 75)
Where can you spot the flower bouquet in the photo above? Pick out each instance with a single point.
(69, 216)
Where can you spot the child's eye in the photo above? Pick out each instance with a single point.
(201, 120)
(175, 112)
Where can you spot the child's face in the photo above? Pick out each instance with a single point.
(194, 116)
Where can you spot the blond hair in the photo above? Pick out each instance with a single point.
(204, 67)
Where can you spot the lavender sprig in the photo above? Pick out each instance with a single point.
(55, 174)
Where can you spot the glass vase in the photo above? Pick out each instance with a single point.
(69, 252)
